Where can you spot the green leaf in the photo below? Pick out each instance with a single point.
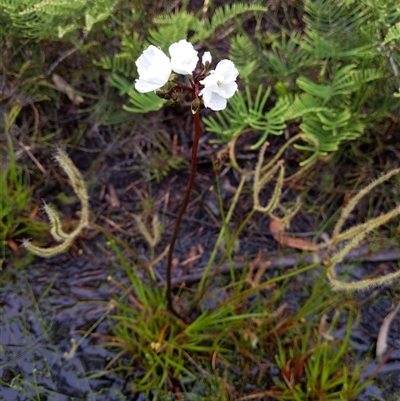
(248, 112)
(143, 102)
(392, 34)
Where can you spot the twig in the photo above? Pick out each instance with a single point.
(362, 254)
(381, 343)
(62, 57)
(27, 150)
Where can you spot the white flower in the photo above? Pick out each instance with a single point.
(206, 58)
(219, 85)
(183, 57)
(154, 68)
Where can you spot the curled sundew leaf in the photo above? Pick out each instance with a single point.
(321, 329)
(381, 342)
(277, 229)
(57, 231)
(260, 181)
(151, 239)
(354, 236)
(56, 227)
(74, 346)
(47, 252)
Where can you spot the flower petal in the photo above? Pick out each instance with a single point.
(227, 90)
(183, 57)
(214, 102)
(211, 81)
(206, 93)
(152, 58)
(154, 69)
(144, 86)
(227, 69)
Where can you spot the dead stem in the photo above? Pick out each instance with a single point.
(360, 254)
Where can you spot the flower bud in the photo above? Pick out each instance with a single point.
(161, 93)
(173, 99)
(206, 59)
(195, 106)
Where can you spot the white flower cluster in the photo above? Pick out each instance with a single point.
(155, 67)
(219, 85)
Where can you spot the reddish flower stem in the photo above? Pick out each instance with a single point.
(193, 169)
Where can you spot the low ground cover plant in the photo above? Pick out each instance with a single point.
(309, 78)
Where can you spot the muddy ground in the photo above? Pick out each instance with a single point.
(52, 301)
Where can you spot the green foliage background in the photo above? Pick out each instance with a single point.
(334, 76)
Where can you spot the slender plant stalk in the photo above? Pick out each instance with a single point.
(193, 169)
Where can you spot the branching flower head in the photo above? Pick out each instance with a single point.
(219, 85)
(211, 88)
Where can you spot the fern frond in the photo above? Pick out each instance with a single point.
(335, 18)
(323, 133)
(346, 80)
(171, 28)
(118, 64)
(222, 16)
(245, 55)
(131, 46)
(392, 34)
(122, 84)
(286, 56)
(99, 12)
(303, 105)
(319, 90)
(333, 121)
(143, 102)
(244, 112)
(332, 30)
(56, 18)
(350, 79)
(51, 7)
(162, 160)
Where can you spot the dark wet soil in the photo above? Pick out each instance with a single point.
(54, 301)
(41, 308)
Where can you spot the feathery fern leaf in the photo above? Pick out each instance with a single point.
(143, 102)
(244, 112)
(346, 80)
(302, 105)
(245, 55)
(117, 64)
(222, 16)
(392, 34)
(171, 28)
(313, 126)
(55, 18)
